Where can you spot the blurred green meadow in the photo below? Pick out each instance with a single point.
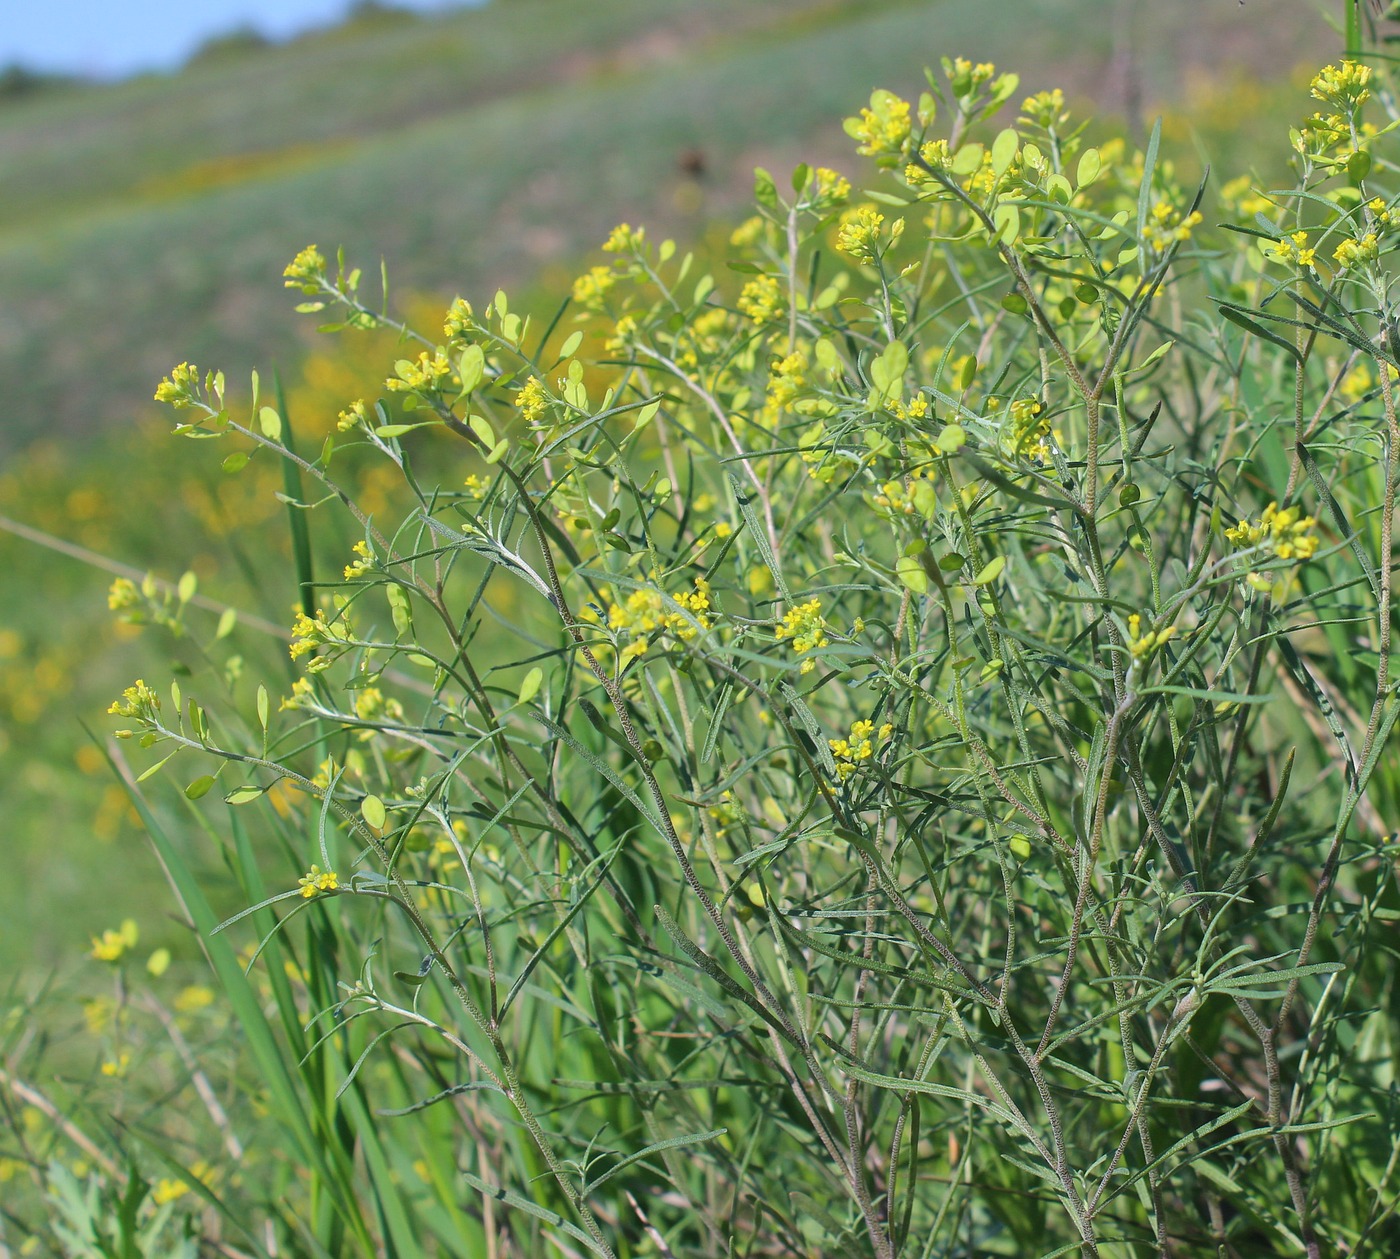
(147, 222)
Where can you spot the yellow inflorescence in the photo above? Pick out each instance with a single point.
(1344, 86)
(531, 400)
(1292, 249)
(624, 238)
(883, 129)
(425, 374)
(859, 233)
(1354, 253)
(111, 945)
(762, 299)
(1167, 226)
(591, 289)
(362, 564)
(316, 880)
(138, 700)
(306, 271)
(1288, 533)
(857, 747)
(459, 319)
(805, 627)
(1142, 645)
(647, 611)
(181, 388)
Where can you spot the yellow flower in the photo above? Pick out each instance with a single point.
(307, 271)
(459, 319)
(1142, 645)
(805, 626)
(762, 299)
(1354, 253)
(123, 594)
(624, 238)
(827, 188)
(138, 701)
(591, 289)
(1166, 226)
(1292, 249)
(1045, 109)
(354, 416)
(883, 129)
(1343, 87)
(181, 388)
(316, 880)
(747, 233)
(425, 374)
(1288, 533)
(859, 233)
(857, 747)
(112, 945)
(531, 400)
(363, 564)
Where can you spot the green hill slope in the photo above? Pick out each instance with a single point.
(147, 221)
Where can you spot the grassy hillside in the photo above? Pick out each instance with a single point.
(149, 221)
(143, 221)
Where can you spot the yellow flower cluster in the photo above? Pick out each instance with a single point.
(1045, 109)
(883, 129)
(307, 271)
(1288, 533)
(1166, 226)
(624, 238)
(936, 156)
(1321, 133)
(917, 408)
(1355, 253)
(1030, 429)
(1142, 645)
(428, 373)
(111, 945)
(966, 78)
(859, 233)
(124, 594)
(138, 700)
(761, 299)
(317, 880)
(647, 611)
(364, 562)
(826, 188)
(857, 747)
(591, 289)
(1342, 87)
(356, 415)
(309, 633)
(181, 388)
(1292, 249)
(303, 693)
(786, 382)
(532, 401)
(805, 626)
(459, 319)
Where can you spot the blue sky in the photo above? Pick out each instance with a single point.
(116, 37)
